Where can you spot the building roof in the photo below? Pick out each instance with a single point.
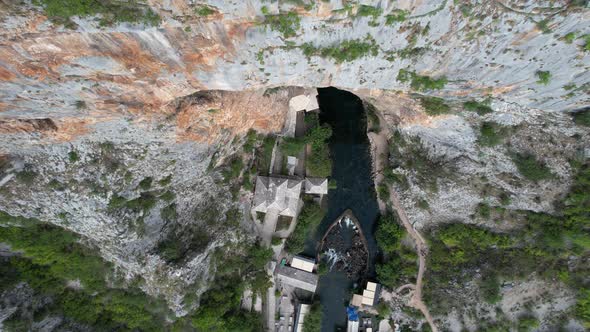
(278, 194)
(371, 286)
(303, 263)
(357, 300)
(297, 278)
(316, 186)
(352, 326)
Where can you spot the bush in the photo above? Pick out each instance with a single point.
(480, 108)
(233, 170)
(313, 320)
(110, 11)
(204, 11)
(383, 192)
(396, 15)
(73, 156)
(527, 323)
(490, 134)
(543, 76)
(26, 176)
(582, 118)
(570, 37)
(348, 50)
(389, 233)
(530, 167)
(288, 24)
(434, 105)
(146, 183)
(421, 83)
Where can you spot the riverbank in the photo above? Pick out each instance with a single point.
(379, 155)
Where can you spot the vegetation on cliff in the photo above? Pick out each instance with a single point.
(110, 12)
(53, 258)
(553, 246)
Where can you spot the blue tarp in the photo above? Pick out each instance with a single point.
(352, 314)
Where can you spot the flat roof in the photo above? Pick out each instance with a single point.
(372, 286)
(303, 263)
(297, 278)
(368, 293)
(357, 300)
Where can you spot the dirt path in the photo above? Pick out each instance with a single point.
(379, 151)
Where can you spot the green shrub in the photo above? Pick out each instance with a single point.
(543, 25)
(570, 37)
(543, 76)
(491, 134)
(313, 320)
(310, 217)
(434, 105)
(110, 11)
(146, 183)
(582, 309)
(389, 233)
(483, 210)
(348, 50)
(73, 156)
(204, 10)
(396, 15)
(586, 46)
(287, 24)
(527, 323)
(421, 83)
(365, 10)
(233, 170)
(582, 118)
(26, 176)
(530, 167)
(383, 192)
(489, 286)
(480, 108)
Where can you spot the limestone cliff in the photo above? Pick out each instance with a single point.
(132, 102)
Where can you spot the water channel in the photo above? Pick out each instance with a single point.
(351, 169)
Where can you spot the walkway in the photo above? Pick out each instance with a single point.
(379, 148)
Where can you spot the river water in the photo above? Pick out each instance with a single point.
(351, 169)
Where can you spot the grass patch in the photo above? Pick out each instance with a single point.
(570, 37)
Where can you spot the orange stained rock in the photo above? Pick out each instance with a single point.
(6, 75)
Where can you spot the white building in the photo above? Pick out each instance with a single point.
(303, 263)
(316, 186)
(278, 194)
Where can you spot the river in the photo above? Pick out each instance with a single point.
(352, 171)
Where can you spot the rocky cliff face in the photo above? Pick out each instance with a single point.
(130, 102)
